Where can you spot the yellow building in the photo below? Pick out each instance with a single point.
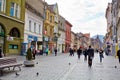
(11, 25)
(48, 30)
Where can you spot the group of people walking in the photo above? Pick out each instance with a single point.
(88, 54)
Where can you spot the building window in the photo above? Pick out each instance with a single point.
(15, 10)
(29, 25)
(12, 9)
(39, 29)
(12, 46)
(34, 27)
(14, 32)
(2, 5)
(50, 18)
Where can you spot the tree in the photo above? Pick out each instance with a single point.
(29, 54)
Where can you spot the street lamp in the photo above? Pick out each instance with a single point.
(56, 36)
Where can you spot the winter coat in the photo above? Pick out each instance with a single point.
(118, 53)
(79, 51)
(90, 52)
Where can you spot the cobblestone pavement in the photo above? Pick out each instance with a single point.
(65, 67)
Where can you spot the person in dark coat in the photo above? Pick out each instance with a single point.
(85, 53)
(118, 54)
(34, 53)
(79, 51)
(70, 51)
(90, 56)
(55, 50)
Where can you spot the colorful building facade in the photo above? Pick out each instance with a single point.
(12, 25)
(61, 38)
(68, 26)
(48, 30)
(33, 36)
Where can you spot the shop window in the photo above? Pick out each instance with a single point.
(12, 46)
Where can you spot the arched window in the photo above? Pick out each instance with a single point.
(14, 32)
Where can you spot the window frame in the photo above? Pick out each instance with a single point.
(16, 10)
(3, 6)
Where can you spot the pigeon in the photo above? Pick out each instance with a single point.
(36, 62)
(17, 74)
(37, 73)
(69, 63)
(115, 66)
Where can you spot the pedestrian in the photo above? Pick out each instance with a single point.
(46, 51)
(90, 56)
(79, 51)
(55, 50)
(34, 52)
(85, 54)
(70, 51)
(101, 54)
(118, 54)
(1, 55)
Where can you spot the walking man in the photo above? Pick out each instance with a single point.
(79, 51)
(34, 52)
(55, 50)
(90, 56)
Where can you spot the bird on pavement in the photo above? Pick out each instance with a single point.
(37, 73)
(115, 66)
(17, 74)
(36, 62)
(69, 63)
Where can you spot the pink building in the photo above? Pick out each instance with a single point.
(68, 26)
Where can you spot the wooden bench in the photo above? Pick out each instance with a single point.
(7, 62)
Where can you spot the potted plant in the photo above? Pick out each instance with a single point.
(29, 59)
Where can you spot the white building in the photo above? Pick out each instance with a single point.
(61, 39)
(33, 24)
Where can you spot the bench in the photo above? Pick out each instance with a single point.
(7, 62)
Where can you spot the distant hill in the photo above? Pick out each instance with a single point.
(100, 37)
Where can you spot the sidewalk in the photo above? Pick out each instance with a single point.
(57, 68)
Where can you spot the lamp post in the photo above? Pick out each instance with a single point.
(56, 36)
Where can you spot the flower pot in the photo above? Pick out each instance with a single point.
(29, 63)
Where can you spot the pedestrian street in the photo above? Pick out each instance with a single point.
(65, 67)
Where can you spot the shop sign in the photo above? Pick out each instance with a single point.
(10, 38)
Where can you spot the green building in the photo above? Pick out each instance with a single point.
(12, 15)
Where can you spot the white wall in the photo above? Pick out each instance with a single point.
(34, 19)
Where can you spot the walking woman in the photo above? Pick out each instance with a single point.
(101, 54)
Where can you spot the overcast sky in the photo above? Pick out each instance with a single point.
(86, 16)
